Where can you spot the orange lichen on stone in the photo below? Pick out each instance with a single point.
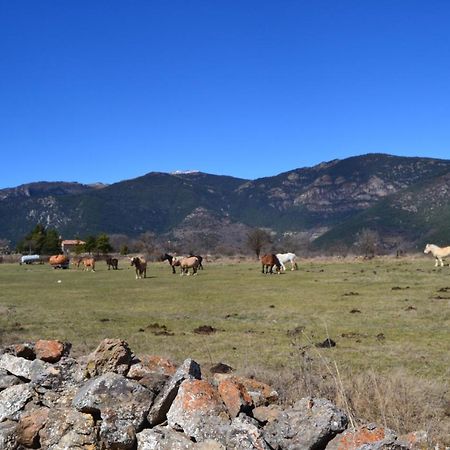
(158, 364)
(50, 351)
(198, 395)
(234, 395)
(353, 439)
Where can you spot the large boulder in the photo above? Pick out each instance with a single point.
(122, 404)
(112, 355)
(309, 424)
(21, 367)
(68, 429)
(187, 371)
(199, 411)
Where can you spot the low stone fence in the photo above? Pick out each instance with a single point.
(112, 399)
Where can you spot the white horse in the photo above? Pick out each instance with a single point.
(287, 257)
(438, 253)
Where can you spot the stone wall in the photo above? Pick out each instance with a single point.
(112, 399)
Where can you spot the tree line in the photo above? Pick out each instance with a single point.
(47, 241)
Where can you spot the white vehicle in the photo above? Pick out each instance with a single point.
(30, 259)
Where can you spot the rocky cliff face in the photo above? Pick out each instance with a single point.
(112, 399)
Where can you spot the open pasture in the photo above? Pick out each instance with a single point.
(382, 314)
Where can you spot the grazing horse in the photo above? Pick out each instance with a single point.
(88, 263)
(112, 262)
(140, 265)
(438, 252)
(189, 263)
(76, 262)
(268, 261)
(287, 257)
(173, 261)
(200, 260)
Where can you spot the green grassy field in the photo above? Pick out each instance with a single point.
(261, 321)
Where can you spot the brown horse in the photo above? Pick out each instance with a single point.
(268, 261)
(189, 263)
(88, 263)
(140, 265)
(76, 262)
(112, 262)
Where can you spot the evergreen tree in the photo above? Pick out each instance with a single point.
(41, 241)
(102, 244)
(91, 244)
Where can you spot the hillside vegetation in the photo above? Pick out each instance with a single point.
(405, 199)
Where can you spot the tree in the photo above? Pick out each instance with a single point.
(146, 243)
(102, 244)
(41, 241)
(257, 239)
(5, 246)
(90, 244)
(367, 241)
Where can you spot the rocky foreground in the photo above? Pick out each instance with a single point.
(112, 399)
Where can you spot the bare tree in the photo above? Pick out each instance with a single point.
(147, 243)
(367, 242)
(5, 246)
(257, 239)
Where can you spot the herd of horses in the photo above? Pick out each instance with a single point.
(192, 262)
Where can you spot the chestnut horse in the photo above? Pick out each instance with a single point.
(268, 261)
(88, 263)
(140, 265)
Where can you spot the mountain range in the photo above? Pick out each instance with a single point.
(405, 199)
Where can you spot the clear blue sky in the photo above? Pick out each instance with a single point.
(110, 90)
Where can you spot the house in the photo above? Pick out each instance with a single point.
(69, 246)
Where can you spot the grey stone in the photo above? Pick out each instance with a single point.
(309, 424)
(121, 403)
(68, 429)
(244, 434)
(163, 438)
(7, 380)
(158, 413)
(21, 367)
(8, 440)
(12, 401)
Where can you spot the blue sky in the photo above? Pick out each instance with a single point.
(110, 90)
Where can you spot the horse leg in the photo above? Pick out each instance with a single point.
(173, 270)
(262, 269)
